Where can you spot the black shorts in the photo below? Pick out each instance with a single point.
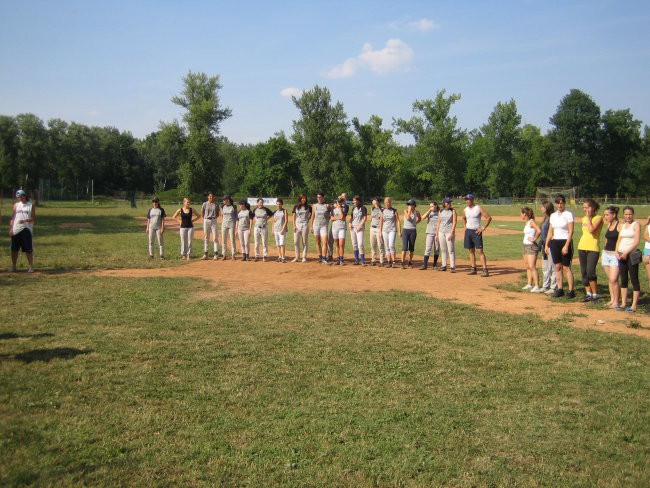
(555, 246)
(22, 240)
(473, 240)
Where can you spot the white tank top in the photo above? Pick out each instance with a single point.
(529, 231)
(473, 216)
(22, 211)
(626, 237)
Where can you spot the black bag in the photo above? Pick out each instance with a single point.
(635, 257)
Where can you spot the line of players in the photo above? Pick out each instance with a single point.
(329, 223)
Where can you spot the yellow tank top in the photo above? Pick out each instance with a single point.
(590, 241)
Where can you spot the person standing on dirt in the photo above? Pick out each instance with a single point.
(243, 228)
(629, 237)
(21, 227)
(301, 216)
(474, 233)
(186, 216)
(431, 216)
(210, 213)
(330, 236)
(376, 240)
(228, 223)
(320, 218)
(559, 243)
(339, 229)
(389, 226)
(155, 227)
(447, 220)
(280, 221)
(358, 219)
(260, 233)
(549, 280)
(589, 249)
(411, 220)
(609, 258)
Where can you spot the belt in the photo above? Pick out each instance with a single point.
(210, 218)
(374, 226)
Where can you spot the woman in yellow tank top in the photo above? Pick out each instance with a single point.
(589, 248)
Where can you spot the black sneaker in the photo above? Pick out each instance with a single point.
(586, 298)
(571, 294)
(442, 268)
(452, 270)
(558, 293)
(485, 273)
(424, 266)
(472, 271)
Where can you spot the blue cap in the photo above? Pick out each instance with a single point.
(20, 193)
(469, 196)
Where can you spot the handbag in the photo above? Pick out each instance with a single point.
(635, 257)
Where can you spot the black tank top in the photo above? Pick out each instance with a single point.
(186, 219)
(611, 236)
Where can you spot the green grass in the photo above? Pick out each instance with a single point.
(131, 381)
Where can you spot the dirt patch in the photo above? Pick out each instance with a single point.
(76, 225)
(311, 277)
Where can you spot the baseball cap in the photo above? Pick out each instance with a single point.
(241, 202)
(446, 200)
(410, 202)
(227, 197)
(469, 196)
(20, 193)
(155, 199)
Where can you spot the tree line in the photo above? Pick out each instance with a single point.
(600, 153)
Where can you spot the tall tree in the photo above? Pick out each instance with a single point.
(32, 150)
(438, 159)
(322, 142)
(575, 138)
(271, 168)
(203, 116)
(622, 145)
(9, 142)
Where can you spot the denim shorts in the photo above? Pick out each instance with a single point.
(609, 259)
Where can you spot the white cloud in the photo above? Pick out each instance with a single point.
(423, 24)
(395, 56)
(94, 113)
(291, 92)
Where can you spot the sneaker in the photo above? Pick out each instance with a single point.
(363, 264)
(472, 271)
(372, 263)
(485, 273)
(409, 265)
(452, 270)
(442, 268)
(545, 290)
(527, 287)
(549, 291)
(423, 267)
(595, 298)
(255, 259)
(403, 266)
(558, 293)
(295, 260)
(535, 289)
(571, 294)
(263, 259)
(356, 263)
(304, 260)
(586, 298)
(205, 256)
(223, 257)
(30, 270)
(162, 258)
(215, 257)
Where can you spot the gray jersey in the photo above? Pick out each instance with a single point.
(375, 215)
(411, 221)
(446, 220)
(303, 214)
(155, 216)
(209, 210)
(244, 218)
(279, 218)
(358, 214)
(338, 224)
(321, 214)
(262, 216)
(229, 213)
(433, 223)
(390, 219)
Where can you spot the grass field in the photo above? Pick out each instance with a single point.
(116, 381)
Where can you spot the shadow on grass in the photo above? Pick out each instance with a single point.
(13, 335)
(47, 355)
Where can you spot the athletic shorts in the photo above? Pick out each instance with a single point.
(22, 240)
(320, 230)
(531, 249)
(555, 246)
(338, 233)
(279, 238)
(609, 259)
(473, 240)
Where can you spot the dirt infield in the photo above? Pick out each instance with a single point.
(311, 277)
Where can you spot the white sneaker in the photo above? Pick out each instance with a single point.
(295, 260)
(550, 291)
(536, 289)
(30, 270)
(304, 260)
(527, 287)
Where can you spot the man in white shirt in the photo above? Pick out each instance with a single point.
(474, 233)
(20, 229)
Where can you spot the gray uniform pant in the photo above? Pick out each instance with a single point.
(210, 228)
(261, 238)
(549, 279)
(155, 234)
(230, 232)
(376, 244)
(244, 239)
(447, 249)
(187, 234)
(432, 243)
(300, 237)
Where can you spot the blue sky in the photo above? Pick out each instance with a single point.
(119, 63)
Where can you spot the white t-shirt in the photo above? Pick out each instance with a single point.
(529, 231)
(22, 211)
(560, 223)
(473, 217)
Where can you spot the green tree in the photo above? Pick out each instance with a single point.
(622, 153)
(533, 165)
(502, 135)
(203, 116)
(322, 142)
(9, 142)
(438, 159)
(575, 139)
(32, 157)
(271, 168)
(476, 173)
(376, 155)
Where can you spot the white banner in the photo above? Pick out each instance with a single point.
(267, 201)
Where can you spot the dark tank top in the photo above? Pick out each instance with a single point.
(186, 219)
(611, 236)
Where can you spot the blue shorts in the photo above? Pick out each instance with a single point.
(473, 240)
(646, 252)
(22, 240)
